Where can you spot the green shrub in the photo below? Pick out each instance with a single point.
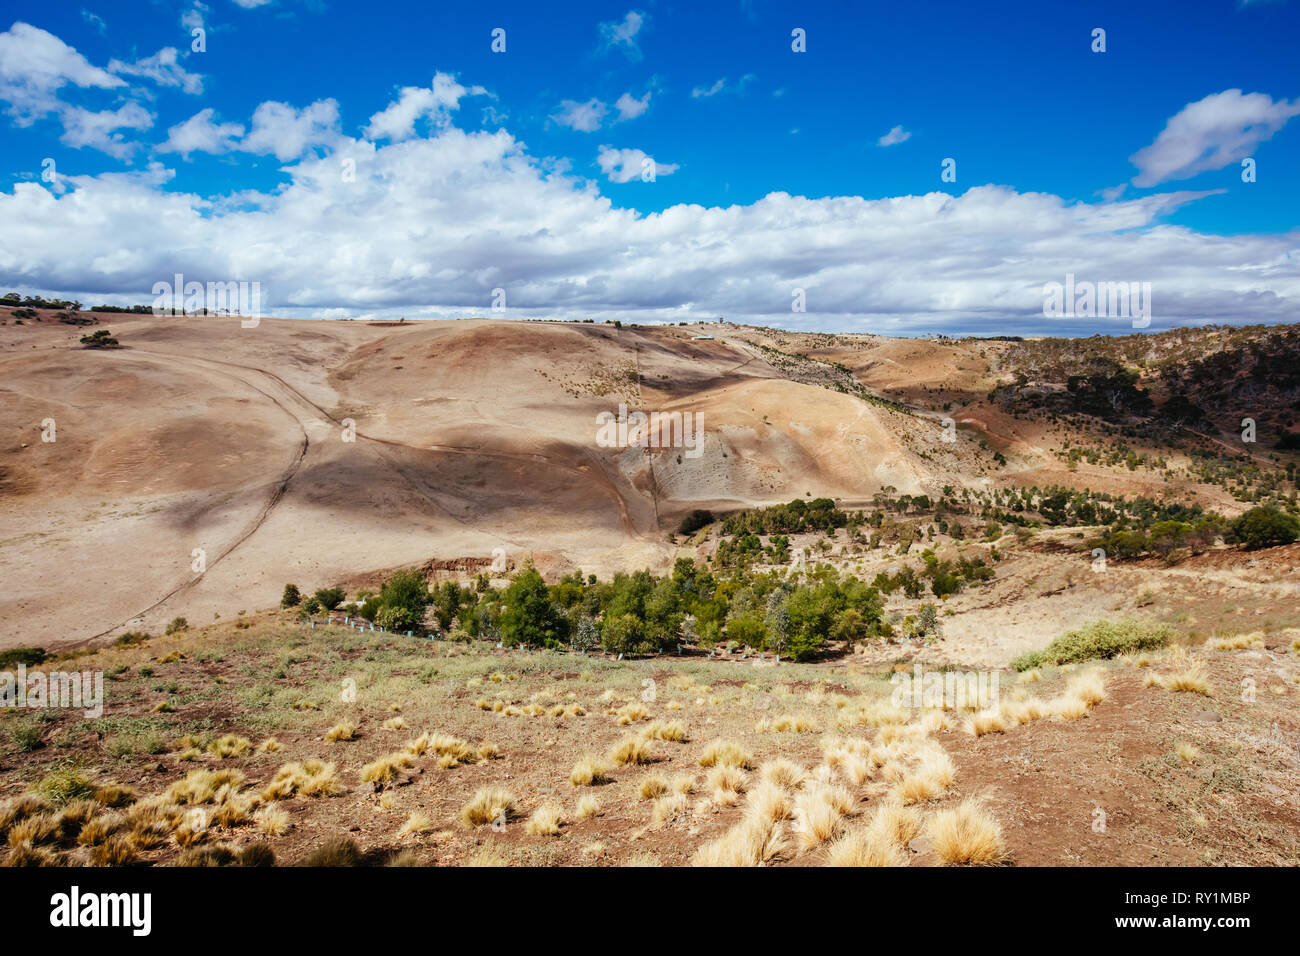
(402, 601)
(177, 625)
(1100, 639)
(27, 736)
(60, 787)
(694, 521)
(292, 597)
(27, 656)
(330, 598)
(1265, 527)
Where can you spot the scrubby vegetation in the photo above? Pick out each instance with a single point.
(1101, 639)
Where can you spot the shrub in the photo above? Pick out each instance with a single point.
(27, 656)
(61, 787)
(336, 851)
(292, 596)
(329, 598)
(1100, 639)
(694, 521)
(1265, 527)
(404, 598)
(101, 339)
(177, 624)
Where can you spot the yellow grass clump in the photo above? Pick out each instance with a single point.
(784, 773)
(630, 751)
(727, 754)
(1187, 753)
(205, 786)
(653, 785)
(588, 806)
(931, 777)
(967, 835)
(818, 815)
(546, 820)
(1240, 642)
(986, 722)
(589, 771)
(417, 822)
(343, 730)
(631, 713)
(385, 770)
(272, 820)
(752, 842)
(488, 805)
(674, 731)
(230, 745)
(311, 778)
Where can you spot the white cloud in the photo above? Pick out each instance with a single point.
(82, 127)
(714, 90)
(703, 92)
(397, 121)
(95, 21)
(288, 133)
(895, 135)
(251, 4)
(432, 225)
(163, 68)
(1209, 134)
(625, 165)
(585, 117)
(629, 107)
(35, 65)
(621, 34)
(199, 134)
(193, 18)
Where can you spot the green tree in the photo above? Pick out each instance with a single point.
(291, 597)
(529, 616)
(1265, 527)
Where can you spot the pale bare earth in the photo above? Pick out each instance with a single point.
(471, 435)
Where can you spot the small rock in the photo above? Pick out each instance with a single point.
(1209, 716)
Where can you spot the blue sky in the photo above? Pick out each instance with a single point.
(775, 170)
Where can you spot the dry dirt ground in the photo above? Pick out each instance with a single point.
(201, 465)
(1146, 775)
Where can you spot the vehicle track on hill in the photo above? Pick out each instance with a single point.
(281, 486)
(308, 411)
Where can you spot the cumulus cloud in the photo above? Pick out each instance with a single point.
(625, 165)
(199, 134)
(433, 223)
(100, 129)
(35, 65)
(1221, 129)
(629, 107)
(585, 117)
(163, 68)
(288, 133)
(397, 121)
(894, 136)
(621, 34)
